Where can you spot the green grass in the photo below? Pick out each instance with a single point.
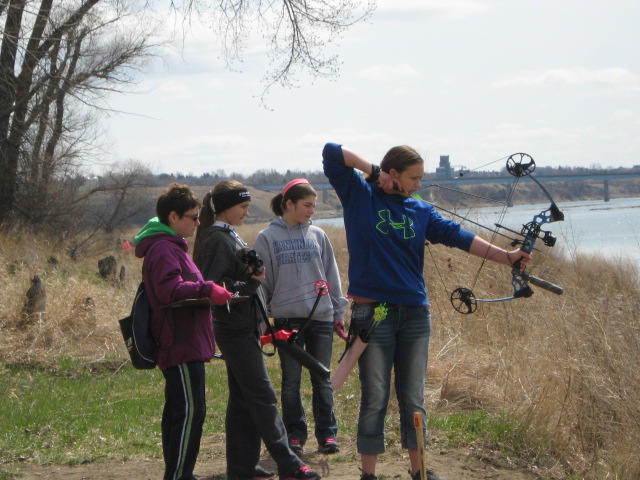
(74, 412)
(470, 425)
(74, 415)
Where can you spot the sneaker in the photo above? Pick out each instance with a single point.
(259, 473)
(368, 476)
(329, 446)
(430, 475)
(295, 445)
(303, 473)
(262, 474)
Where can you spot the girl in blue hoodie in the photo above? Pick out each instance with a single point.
(297, 254)
(386, 234)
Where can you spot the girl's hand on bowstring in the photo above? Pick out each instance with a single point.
(389, 184)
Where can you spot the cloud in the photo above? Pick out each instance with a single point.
(625, 117)
(620, 78)
(512, 131)
(195, 146)
(205, 144)
(385, 73)
(450, 9)
(215, 83)
(176, 90)
(199, 153)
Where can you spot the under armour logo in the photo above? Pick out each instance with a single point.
(406, 225)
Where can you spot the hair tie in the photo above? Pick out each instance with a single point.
(293, 183)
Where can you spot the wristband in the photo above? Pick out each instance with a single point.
(375, 173)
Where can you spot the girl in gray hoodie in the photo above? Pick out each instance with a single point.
(297, 255)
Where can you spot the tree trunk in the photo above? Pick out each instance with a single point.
(8, 164)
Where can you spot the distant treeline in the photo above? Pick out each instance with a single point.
(261, 177)
(274, 177)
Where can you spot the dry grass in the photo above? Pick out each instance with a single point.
(565, 366)
(82, 309)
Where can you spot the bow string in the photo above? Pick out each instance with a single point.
(300, 293)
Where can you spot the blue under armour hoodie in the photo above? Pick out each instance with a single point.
(386, 235)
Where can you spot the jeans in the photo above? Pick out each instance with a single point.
(400, 341)
(317, 338)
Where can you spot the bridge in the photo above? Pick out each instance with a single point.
(471, 179)
(603, 177)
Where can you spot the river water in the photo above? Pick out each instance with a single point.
(611, 229)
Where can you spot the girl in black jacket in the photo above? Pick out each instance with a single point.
(252, 412)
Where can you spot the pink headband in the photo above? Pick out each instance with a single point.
(293, 183)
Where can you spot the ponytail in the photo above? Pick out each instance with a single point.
(277, 206)
(207, 217)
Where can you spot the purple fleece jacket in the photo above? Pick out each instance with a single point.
(185, 334)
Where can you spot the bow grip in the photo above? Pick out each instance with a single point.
(527, 247)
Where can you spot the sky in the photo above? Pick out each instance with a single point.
(476, 80)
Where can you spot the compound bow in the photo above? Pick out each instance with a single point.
(463, 299)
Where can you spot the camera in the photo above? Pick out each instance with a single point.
(251, 259)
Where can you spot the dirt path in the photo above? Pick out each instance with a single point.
(467, 463)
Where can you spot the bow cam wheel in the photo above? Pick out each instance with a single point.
(463, 301)
(520, 164)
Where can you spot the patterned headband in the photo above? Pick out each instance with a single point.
(222, 201)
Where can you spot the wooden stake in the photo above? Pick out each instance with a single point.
(417, 423)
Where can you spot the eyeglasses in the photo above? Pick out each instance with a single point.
(195, 218)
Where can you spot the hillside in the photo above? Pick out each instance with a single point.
(471, 196)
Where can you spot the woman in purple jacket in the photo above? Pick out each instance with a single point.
(185, 335)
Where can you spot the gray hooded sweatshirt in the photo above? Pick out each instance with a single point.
(295, 259)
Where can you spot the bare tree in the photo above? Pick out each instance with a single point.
(298, 32)
(104, 204)
(56, 63)
(59, 59)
